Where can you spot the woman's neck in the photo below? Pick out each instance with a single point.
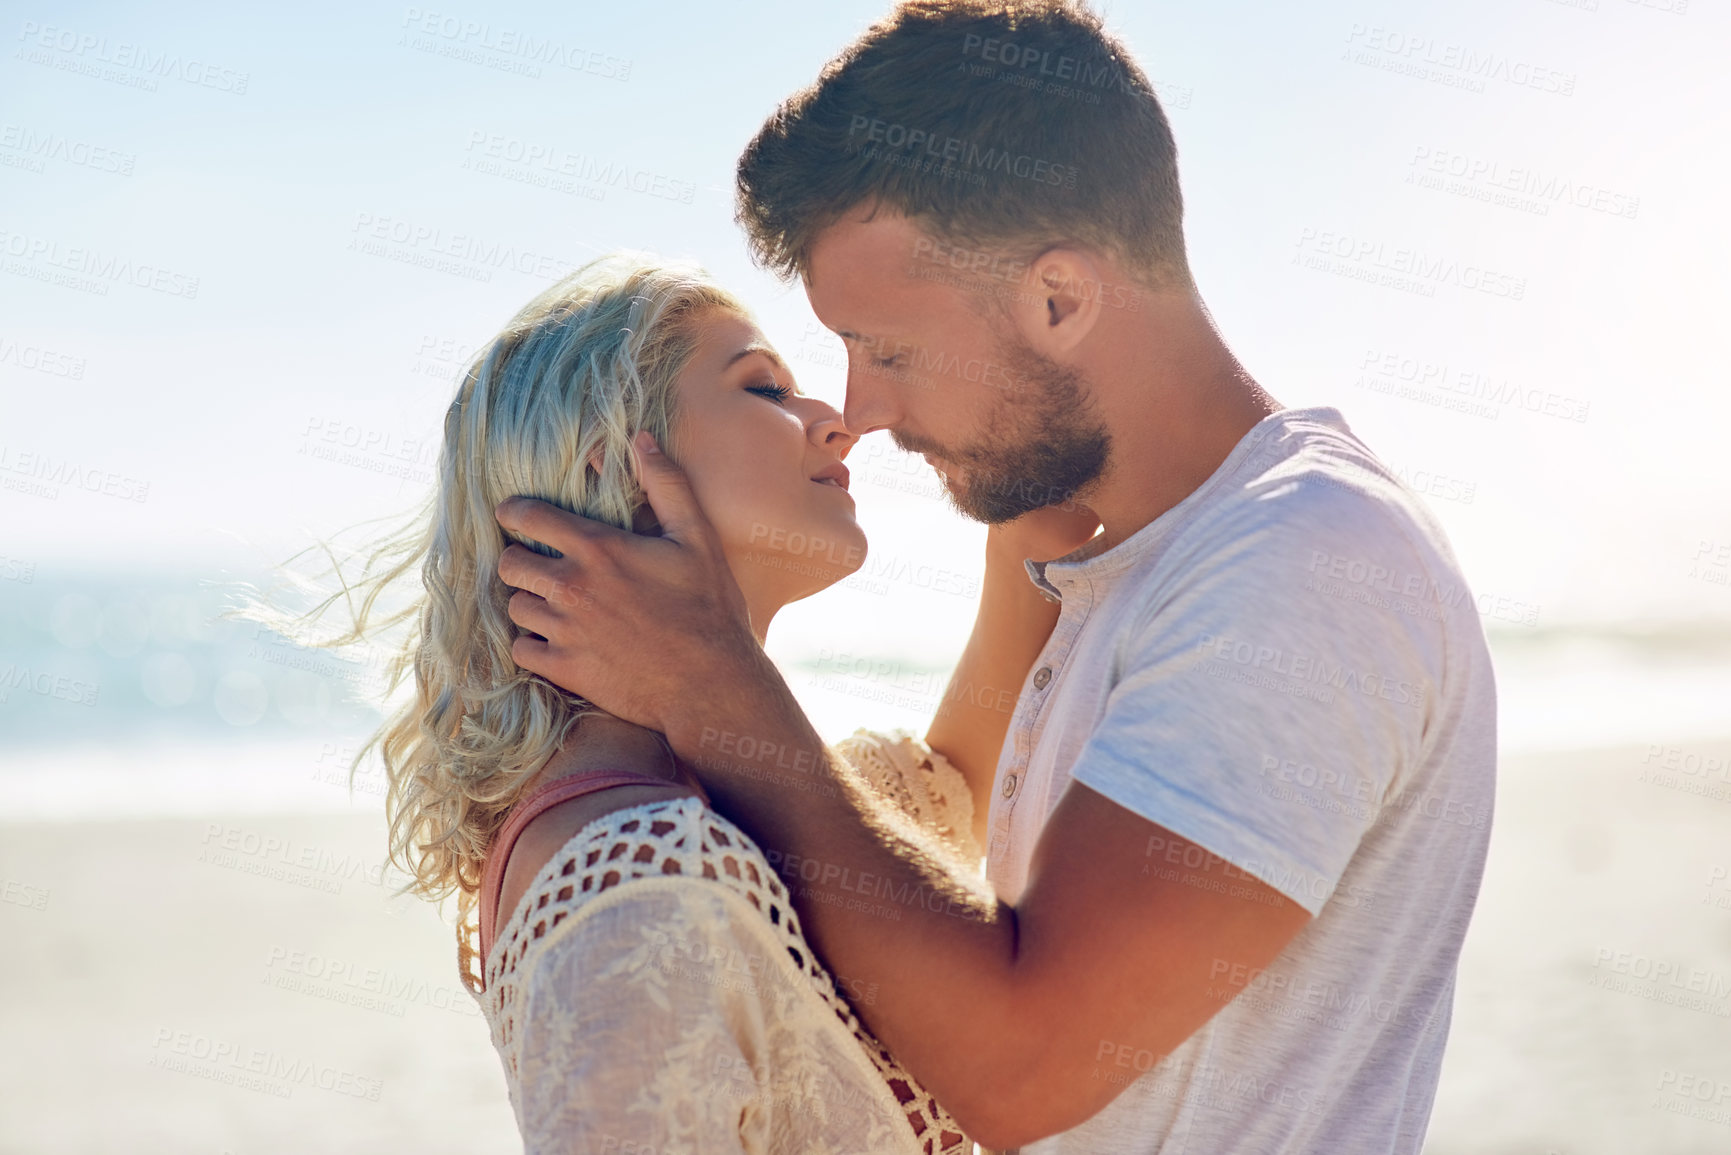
(762, 600)
(603, 742)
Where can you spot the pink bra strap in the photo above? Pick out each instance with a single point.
(526, 811)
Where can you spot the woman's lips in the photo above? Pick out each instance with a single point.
(835, 475)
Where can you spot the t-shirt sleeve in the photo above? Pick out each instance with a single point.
(1264, 701)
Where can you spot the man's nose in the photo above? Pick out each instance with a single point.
(870, 404)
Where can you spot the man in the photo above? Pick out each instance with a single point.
(1240, 814)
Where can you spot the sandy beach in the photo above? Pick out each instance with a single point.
(246, 986)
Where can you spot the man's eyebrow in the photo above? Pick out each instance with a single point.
(760, 347)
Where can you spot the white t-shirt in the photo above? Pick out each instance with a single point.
(1286, 669)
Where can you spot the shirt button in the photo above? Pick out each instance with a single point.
(1009, 785)
(1042, 676)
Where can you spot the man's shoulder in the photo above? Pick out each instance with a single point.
(1328, 498)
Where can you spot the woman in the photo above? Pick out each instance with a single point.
(643, 975)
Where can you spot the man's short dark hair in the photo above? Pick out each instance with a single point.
(1009, 126)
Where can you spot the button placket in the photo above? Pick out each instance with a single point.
(1042, 679)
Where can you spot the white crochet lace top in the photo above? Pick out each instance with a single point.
(652, 992)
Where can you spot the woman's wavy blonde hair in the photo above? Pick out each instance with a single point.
(569, 381)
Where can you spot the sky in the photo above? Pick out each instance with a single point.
(243, 258)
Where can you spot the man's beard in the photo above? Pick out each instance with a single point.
(1043, 443)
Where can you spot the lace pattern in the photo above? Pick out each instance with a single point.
(918, 780)
(552, 999)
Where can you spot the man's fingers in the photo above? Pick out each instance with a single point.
(532, 654)
(522, 568)
(532, 612)
(564, 531)
(669, 494)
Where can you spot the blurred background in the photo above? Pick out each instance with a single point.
(245, 254)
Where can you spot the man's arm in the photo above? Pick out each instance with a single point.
(1009, 1016)
(1000, 1012)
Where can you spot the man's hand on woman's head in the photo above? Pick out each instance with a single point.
(635, 624)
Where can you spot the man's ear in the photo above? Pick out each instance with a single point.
(1063, 303)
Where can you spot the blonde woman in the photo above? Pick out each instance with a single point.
(643, 974)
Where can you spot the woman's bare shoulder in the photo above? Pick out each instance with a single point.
(549, 831)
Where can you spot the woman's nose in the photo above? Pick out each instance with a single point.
(829, 430)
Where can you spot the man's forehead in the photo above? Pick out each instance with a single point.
(855, 245)
(860, 274)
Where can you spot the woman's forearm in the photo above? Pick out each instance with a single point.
(1010, 629)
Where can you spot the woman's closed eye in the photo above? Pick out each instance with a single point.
(776, 393)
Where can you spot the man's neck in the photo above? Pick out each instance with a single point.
(1176, 402)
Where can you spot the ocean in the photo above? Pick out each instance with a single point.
(132, 696)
